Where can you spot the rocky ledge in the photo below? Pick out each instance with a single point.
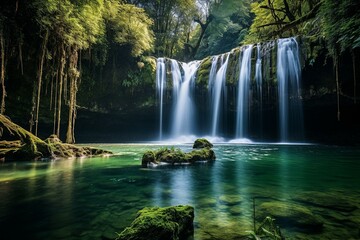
(17, 144)
(203, 152)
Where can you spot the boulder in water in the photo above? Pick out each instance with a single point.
(202, 143)
(171, 223)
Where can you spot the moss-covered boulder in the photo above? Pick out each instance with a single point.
(176, 156)
(202, 143)
(290, 215)
(204, 154)
(168, 223)
(17, 144)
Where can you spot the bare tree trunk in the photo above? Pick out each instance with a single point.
(337, 86)
(74, 75)
(61, 78)
(354, 73)
(21, 59)
(40, 73)
(32, 113)
(2, 76)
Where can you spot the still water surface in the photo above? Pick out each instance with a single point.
(93, 198)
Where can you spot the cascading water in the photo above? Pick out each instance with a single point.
(218, 87)
(160, 87)
(243, 94)
(176, 79)
(249, 90)
(259, 83)
(289, 76)
(212, 74)
(184, 115)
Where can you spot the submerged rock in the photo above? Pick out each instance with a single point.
(230, 199)
(333, 201)
(168, 223)
(290, 215)
(202, 143)
(22, 145)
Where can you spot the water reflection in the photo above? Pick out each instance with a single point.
(96, 197)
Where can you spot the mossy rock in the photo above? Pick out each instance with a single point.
(168, 223)
(203, 72)
(290, 215)
(147, 158)
(176, 156)
(202, 143)
(204, 154)
(22, 145)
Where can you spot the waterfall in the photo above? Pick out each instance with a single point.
(184, 118)
(176, 80)
(160, 88)
(259, 83)
(212, 74)
(244, 98)
(243, 93)
(288, 77)
(218, 86)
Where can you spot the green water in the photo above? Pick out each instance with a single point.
(93, 198)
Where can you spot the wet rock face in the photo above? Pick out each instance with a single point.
(168, 223)
(290, 215)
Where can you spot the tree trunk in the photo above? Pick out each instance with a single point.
(73, 75)
(2, 75)
(354, 73)
(21, 59)
(337, 86)
(40, 73)
(61, 78)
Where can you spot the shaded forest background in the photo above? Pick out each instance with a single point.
(91, 63)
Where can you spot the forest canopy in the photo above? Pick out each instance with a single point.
(97, 54)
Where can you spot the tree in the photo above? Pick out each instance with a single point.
(281, 18)
(341, 30)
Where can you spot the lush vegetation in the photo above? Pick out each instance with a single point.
(98, 54)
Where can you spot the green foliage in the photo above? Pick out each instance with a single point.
(341, 25)
(132, 27)
(273, 19)
(232, 19)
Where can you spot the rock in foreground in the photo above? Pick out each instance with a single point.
(17, 144)
(168, 223)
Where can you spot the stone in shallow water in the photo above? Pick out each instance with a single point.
(230, 199)
(170, 223)
(331, 200)
(235, 210)
(290, 215)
